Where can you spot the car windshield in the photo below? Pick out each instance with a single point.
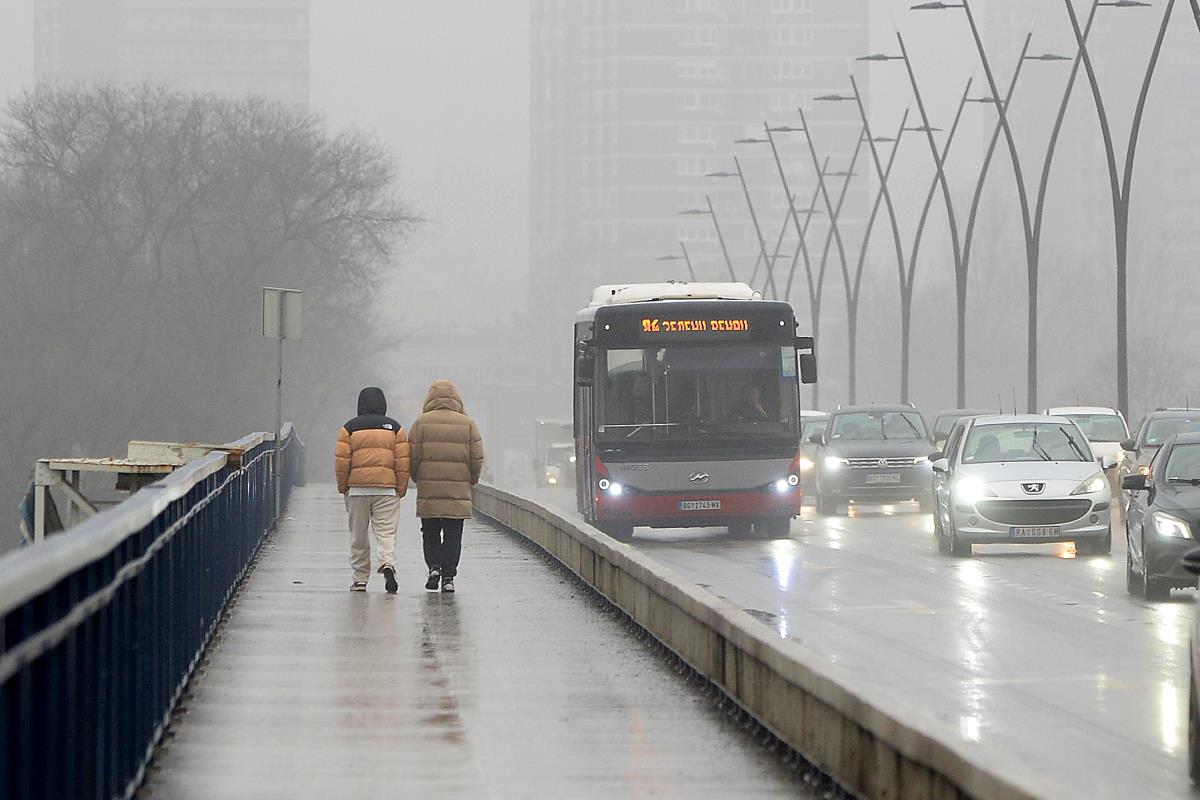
(1025, 441)
(1159, 430)
(876, 425)
(1184, 463)
(694, 394)
(1100, 427)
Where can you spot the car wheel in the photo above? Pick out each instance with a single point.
(959, 548)
(1133, 581)
(1155, 588)
(939, 532)
(1103, 547)
(826, 506)
(1193, 729)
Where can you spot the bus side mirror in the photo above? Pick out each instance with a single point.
(808, 368)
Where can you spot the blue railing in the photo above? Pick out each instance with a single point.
(101, 626)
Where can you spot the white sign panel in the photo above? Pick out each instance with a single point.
(282, 313)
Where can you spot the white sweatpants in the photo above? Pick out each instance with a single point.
(382, 513)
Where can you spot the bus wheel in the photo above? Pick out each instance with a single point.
(621, 531)
(773, 528)
(740, 529)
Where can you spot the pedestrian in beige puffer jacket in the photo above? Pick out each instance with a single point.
(447, 457)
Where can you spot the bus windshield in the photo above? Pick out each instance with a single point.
(737, 393)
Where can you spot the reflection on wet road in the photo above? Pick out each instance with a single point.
(1029, 649)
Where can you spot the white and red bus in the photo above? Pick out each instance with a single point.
(687, 408)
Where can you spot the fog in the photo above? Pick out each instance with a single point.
(483, 114)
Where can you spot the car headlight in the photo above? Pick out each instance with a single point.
(1094, 484)
(833, 463)
(806, 464)
(1166, 525)
(1143, 469)
(969, 490)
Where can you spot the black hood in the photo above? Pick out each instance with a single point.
(879, 448)
(372, 401)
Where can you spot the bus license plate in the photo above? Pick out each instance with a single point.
(1039, 532)
(699, 505)
(883, 477)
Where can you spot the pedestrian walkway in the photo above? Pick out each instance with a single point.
(519, 685)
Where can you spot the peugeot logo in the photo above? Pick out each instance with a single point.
(1033, 488)
(698, 477)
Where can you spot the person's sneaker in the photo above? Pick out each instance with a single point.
(448, 585)
(431, 582)
(358, 586)
(389, 580)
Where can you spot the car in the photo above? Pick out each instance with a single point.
(1163, 519)
(1017, 480)
(1191, 562)
(1155, 429)
(944, 421)
(873, 454)
(1105, 429)
(811, 423)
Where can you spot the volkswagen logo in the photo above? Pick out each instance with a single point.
(1033, 488)
(882, 463)
(698, 477)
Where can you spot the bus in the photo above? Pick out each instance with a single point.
(687, 409)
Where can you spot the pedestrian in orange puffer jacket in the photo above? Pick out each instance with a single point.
(372, 468)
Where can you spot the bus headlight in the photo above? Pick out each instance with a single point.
(781, 486)
(793, 480)
(603, 483)
(616, 489)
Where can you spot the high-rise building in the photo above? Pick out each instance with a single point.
(233, 47)
(634, 102)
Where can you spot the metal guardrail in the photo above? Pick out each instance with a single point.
(101, 626)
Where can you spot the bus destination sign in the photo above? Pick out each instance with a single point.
(658, 325)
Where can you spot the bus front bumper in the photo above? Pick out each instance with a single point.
(695, 509)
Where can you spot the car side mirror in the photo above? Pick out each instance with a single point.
(817, 439)
(1129, 446)
(940, 464)
(1191, 561)
(1134, 483)
(1107, 463)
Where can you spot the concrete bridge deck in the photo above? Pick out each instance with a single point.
(520, 685)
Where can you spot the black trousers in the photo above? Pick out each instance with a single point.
(442, 538)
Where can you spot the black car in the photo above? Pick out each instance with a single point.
(1154, 430)
(1163, 518)
(873, 454)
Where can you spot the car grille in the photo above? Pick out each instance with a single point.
(1033, 512)
(881, 463)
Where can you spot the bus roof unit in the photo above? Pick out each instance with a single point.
(617, 294)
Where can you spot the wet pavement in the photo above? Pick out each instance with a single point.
(520, 685)
(1030, 649)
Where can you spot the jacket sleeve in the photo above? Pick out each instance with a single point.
(341, 461)
(476, 454)
(415, 435)
(402, 463)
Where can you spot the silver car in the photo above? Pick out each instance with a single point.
(1017, 480)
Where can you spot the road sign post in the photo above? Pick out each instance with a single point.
(281, 320)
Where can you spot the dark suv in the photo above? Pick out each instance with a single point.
(1156, 428)
(873, 454)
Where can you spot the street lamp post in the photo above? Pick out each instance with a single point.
(711, 212)
(686, 258)
(1120, 183)
(762, 245)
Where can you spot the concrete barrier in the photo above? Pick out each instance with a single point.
(873, 743)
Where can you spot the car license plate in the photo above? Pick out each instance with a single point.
(699, 505)
(1039, 532)
(883, 477)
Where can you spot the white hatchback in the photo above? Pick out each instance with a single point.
(1105, 428)
(1020, 480)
